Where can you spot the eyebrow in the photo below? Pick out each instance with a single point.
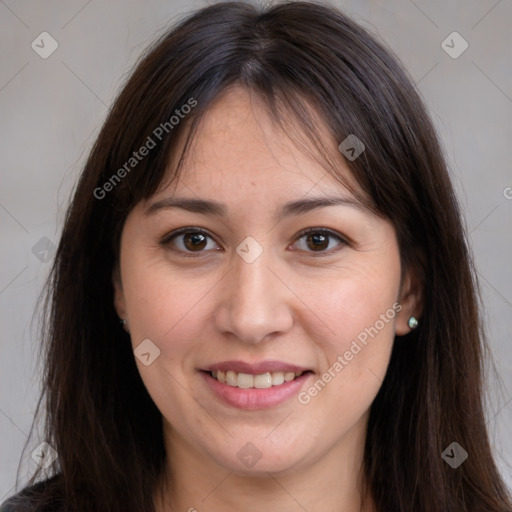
(211, 207)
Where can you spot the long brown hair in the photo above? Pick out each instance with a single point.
(99, 417)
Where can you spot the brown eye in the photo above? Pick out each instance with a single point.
(194, 241)
(188, 241)
(320, 241)
(317, 242)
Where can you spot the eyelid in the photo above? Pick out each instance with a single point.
(180, 231)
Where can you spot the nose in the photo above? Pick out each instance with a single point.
(256, 303)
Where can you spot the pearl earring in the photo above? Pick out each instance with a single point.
(413, 323)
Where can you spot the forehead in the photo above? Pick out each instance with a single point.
(238, 145)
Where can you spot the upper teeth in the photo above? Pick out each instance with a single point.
(246, 380)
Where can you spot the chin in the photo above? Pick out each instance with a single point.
(254, 459)
(262, 467)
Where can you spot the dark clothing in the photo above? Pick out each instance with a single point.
(26, 500)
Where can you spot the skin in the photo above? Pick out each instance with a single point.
(287, 305)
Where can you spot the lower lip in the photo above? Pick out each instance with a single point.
(253, 398)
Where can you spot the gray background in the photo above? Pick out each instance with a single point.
(51, 110)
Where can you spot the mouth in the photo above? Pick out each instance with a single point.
(249, 381)
(255, 386)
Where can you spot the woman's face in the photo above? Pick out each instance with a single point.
(242, 290)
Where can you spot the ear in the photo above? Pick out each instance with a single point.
(119, 301)
(411, 300)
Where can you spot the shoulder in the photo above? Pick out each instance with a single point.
(29, 499)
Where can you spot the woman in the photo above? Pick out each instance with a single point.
(263, 297)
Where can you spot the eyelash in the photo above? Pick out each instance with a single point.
(166, 240)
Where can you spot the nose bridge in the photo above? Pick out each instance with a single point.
(255, 303)
(253, 284)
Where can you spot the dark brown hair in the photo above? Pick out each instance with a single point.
(297, 56)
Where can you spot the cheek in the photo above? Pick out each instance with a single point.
(165, 306)
(357, 313)
(353, 299)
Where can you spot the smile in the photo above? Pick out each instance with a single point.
(248, 381)
(254, 391)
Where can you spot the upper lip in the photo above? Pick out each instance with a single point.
(255, 368)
